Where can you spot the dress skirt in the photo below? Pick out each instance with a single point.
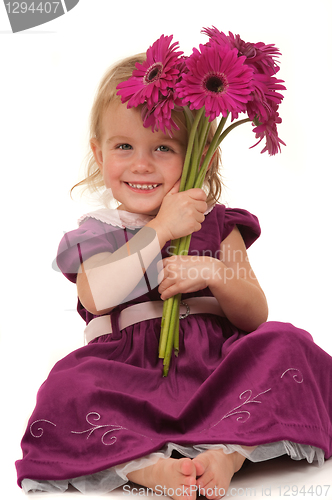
(107, 403)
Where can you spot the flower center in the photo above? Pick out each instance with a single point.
(215, 83)
(153, 73)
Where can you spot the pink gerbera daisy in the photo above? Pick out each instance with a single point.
(268, 131)
(264, 94)
(160, 116)
(217, 79)
(259, 55)
(217, 36)
(154, 76)
(265, 97)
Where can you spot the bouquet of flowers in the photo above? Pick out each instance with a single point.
(223, 78)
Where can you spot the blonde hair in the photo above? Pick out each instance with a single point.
(107, 93)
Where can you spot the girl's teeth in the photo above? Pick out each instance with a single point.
(143, 186)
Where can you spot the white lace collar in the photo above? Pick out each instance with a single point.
(121, 218)
(117, 218)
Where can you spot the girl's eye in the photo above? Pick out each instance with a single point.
(164, 149)
(126, 147)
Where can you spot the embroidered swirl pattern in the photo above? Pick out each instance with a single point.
(242, 415)
(40, 430)
(96, 417)
(298, 377)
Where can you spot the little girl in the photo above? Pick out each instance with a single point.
(240, 387)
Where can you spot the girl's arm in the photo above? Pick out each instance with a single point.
(107, 279)
(241, 296)
(230, 279)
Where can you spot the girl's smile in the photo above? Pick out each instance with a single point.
(142, 187)
(138, 165)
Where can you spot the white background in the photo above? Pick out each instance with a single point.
(48, 78)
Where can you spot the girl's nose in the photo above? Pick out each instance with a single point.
(142, 163)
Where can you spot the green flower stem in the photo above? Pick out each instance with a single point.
(210, 152)
(191, 156)
(230, 128)
(176, 336)
(200, 141)
(167, 309)
(165, 323)
(204, 136)
(189, 118)
(171, 334)
(190, 146)
(193, 175)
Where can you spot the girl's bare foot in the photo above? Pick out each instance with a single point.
(214, 470)
(175, 478)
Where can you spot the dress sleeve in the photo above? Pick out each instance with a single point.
(246, 222)
(90, 238)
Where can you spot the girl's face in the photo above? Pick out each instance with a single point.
(138, 165)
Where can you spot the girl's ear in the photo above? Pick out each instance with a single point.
(97, 153)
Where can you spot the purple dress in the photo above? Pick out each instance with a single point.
(107, 403)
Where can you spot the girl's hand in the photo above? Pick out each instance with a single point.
(181, 213)
(230, 279)
(186, 274)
